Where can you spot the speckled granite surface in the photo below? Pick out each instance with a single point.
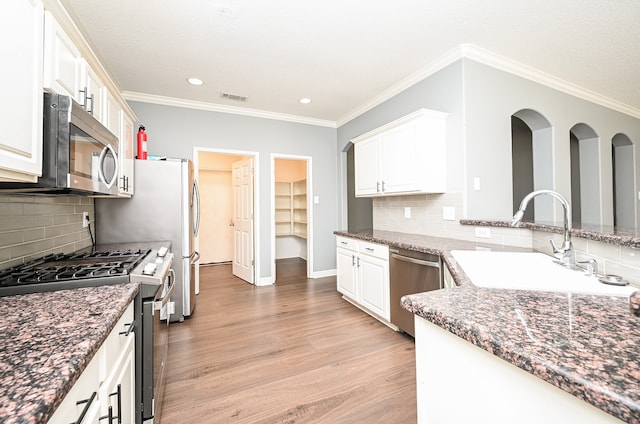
(596, 359)
(615, 236)
(47, 340)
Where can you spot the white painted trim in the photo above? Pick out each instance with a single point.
(265, 281)
(484, 56)
(440, 63)
(310, 226)
(214, 107)
(469, 51)
(256, 205)
(479, 54)
(325, 273)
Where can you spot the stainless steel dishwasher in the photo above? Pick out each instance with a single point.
(411, 272)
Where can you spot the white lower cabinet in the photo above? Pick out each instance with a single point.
(107, 385)
(363, 275)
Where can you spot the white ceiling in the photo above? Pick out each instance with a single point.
(345, 54)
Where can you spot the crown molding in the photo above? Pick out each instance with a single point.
(463, 51)
(425, 72)
(486, 57)
(213, 107)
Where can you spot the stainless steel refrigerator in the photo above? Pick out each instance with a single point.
(165, 206)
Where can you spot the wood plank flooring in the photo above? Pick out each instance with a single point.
(294, 352)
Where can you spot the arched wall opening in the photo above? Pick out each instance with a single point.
(532, 162)
(624, 202)
(585, 175)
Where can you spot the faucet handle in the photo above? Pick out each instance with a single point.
(591, 267)
(561, 251)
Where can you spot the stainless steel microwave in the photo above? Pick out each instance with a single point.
(80, 155)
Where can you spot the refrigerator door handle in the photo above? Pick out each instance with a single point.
(196, 198)
(194, 257)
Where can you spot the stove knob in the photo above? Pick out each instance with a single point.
(149, 269)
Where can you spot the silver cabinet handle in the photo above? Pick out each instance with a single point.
(415, 261)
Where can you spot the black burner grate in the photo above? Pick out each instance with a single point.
(71, 267)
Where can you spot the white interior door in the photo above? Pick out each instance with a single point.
(242, 180)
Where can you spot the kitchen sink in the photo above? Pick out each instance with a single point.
(530, 271)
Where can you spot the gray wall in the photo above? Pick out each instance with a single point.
(492, 96)
(175, 131)
(442, 92)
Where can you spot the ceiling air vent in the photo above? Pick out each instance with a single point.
(234, 97)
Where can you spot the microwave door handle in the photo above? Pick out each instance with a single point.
(103, 155)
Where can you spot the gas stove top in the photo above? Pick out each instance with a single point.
(65, 271)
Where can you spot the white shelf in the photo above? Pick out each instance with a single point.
(291, 208)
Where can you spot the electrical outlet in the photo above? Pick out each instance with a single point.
(85, 219)
(483, 232)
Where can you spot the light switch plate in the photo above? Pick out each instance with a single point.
(449, 213)
(476, 183)
(407, 212)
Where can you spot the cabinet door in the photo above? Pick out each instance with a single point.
(118, 390)
(127, 157)
(21, 123)
(62, 61)
(346, 272)
(96, 92)
(366, 165)
(402, 160)
(373, 275)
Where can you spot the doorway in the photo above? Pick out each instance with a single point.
(292, 210)
(228, 230)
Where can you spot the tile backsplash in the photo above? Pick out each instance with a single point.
(427, 218)
(35, 225)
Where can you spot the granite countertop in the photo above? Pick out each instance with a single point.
(48, 339)
(629, 237)
(597, 359)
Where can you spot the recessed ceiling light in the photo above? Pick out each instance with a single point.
(305, 101)
(195, 81)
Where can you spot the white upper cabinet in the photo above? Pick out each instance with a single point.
(21, 123)
(94, 93)
(72, 69)
(406, 156)
(121, 124)
(127, 157)
(62, 61)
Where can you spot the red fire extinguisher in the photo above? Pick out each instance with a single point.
(142, 143)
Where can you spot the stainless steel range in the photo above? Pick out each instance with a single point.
(87, 268)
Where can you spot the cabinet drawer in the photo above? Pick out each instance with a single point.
(82, 390)
(347, 243)
(116, 341)
(373, 249)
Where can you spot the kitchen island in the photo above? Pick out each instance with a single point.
(584, 345)
(48, 340)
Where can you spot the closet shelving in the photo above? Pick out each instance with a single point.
(291, 208)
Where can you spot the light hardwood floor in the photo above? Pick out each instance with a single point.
(294, 352)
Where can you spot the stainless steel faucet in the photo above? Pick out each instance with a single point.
(565, 253)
